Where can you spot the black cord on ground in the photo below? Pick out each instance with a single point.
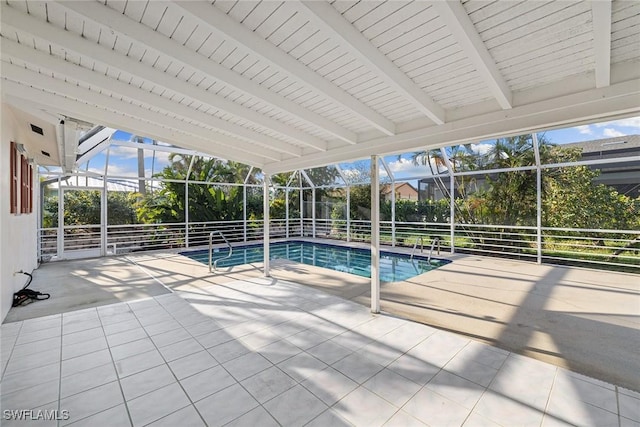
(30, 279)
(26, 296)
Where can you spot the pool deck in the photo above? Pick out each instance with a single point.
(302, 347)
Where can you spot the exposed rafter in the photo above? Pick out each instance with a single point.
(61, 67)
(30, 78)
(461, 27)
(329, 19)
(103, 15)
(601, 11)
(12, 18)
(218, 22)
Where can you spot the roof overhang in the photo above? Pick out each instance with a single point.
(289, 85)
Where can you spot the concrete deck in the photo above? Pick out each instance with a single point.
(85, 283)
(587, 321)
(241, 349)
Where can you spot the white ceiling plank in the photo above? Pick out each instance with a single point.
(329, 19)
(360, 9)
(529, 30)
(601, 11)
(224, 25)
(99, 53)
(68, 107)
(377, 14)
(408, 27)
(461, 27)
(257, 16)
(95, 80)
(168, 47)
(34, 79)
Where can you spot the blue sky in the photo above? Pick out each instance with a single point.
(403, 168)
(629, 126)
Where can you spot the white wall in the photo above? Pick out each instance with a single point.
(18, 232)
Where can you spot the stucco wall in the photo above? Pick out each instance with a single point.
(18, 233)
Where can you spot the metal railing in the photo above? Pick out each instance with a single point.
(497, 240)
(569, 246)
(145, 237)
(604, 248)
(47, 243)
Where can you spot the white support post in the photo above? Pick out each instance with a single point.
(452, 198)
(103, 218)
(348, 191)
(39, 205)
(536, 152)
(266, 225)
(244, 204)
(312, 186)
(60, 240)
(244, 212)
(286, 211)
(186, 214)
(313, 211)
(301, 209)
(393, 214)
(452, 212)
(104, 207)
(186, 202)
(393, 201)
(375, 235)
(348, 213)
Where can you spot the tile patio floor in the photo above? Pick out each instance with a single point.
(261, 353)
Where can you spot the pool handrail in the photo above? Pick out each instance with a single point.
(419, 239)
(215, 263)
(433, 243)
(436, 240)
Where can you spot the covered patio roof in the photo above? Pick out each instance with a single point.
(287, 85)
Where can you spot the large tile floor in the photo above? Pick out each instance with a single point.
(260, 352)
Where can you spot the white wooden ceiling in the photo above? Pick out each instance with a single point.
(285, 85)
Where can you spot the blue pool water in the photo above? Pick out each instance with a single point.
(393, 267)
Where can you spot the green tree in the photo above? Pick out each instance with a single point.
(282, 181)
(572, 199)
(82, 207)
(121, 207)
(208, 200)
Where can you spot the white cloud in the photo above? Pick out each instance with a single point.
(610, 132)
(120, 170)
(401, 165)
(482, 148)
(355, 175)
(96, 170)
(162, 160)
(584, 129)
(122, 152)
(631, 122)
(404, 166)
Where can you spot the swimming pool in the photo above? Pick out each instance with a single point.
(394, 267)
